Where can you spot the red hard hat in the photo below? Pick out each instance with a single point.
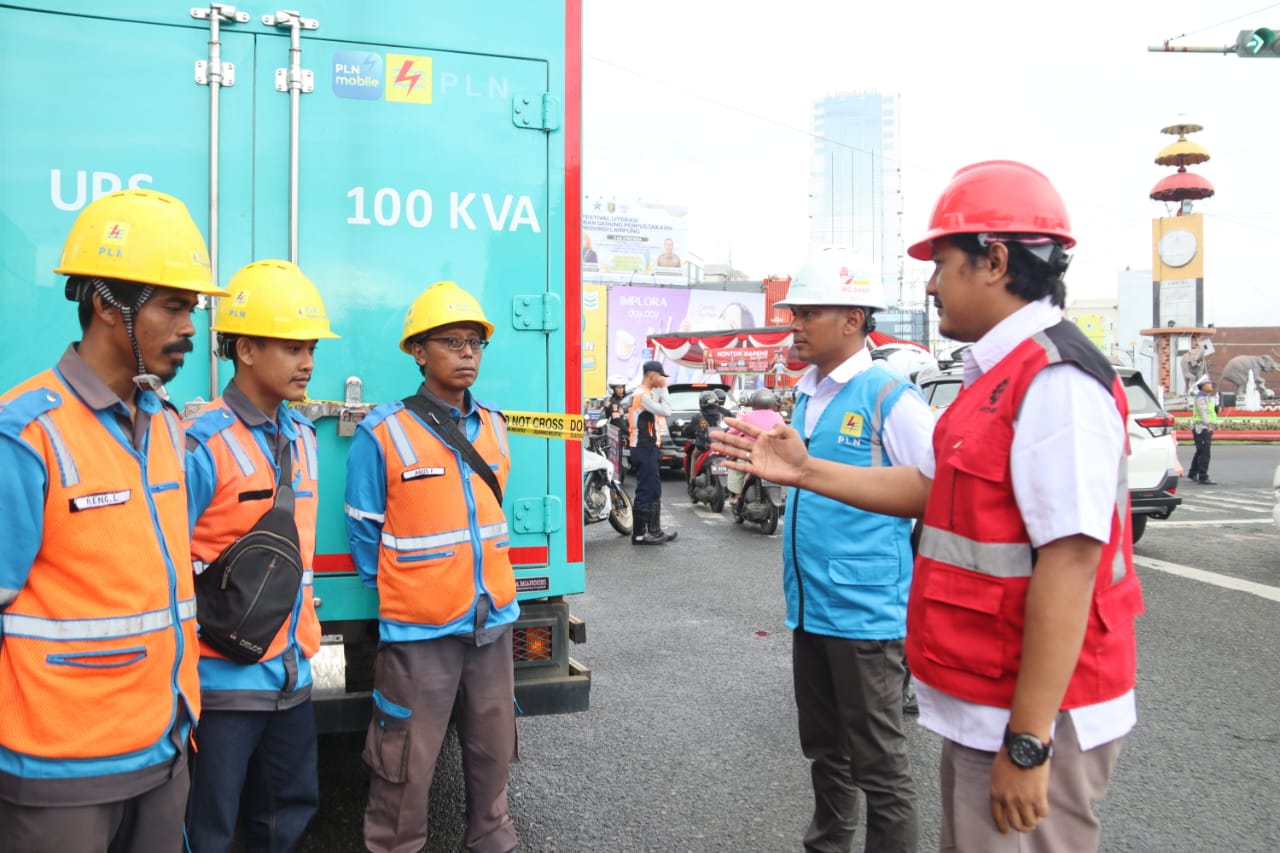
(998, 196)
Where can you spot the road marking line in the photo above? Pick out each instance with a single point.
(1258, 589)
(1214, 522)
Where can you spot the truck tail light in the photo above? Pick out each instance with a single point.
(532, 643)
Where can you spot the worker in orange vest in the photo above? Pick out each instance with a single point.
(258, 727)
(98, 647)
(427, 531)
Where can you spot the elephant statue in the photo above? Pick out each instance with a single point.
(1237, 372)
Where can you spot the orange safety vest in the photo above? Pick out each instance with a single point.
(966, 612)
(429, 570)
(99, 645)
(244, 469)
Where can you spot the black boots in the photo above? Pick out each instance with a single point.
(647, 525)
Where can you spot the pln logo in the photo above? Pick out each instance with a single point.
(117, 232)
(851, 424)
(408, 78)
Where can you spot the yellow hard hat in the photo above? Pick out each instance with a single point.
(272, 299)
(140, 236)
(439, 305)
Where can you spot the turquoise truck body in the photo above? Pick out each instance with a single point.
(382, 146)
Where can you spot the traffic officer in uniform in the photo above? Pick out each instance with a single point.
(98, 646)
(648, 403)
(846, 572)
(427, 531)
(1204, 417)
(258, 730)
(1020, 627)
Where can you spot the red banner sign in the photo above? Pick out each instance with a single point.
(749, 360)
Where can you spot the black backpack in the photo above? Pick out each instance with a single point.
(248, 592)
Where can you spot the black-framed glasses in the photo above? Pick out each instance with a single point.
(456, 344)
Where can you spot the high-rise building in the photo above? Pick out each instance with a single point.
(855, 189)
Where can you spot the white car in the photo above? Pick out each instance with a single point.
(1153, 450)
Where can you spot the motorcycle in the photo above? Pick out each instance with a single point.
(761, 503)
(602, 494)
(708, 484)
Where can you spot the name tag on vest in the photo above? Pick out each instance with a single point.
(419, 473)
(100, 500)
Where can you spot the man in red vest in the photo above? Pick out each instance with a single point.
(1020, 625)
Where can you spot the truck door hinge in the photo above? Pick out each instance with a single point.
(536, 312)
(537, 111)
(213, 69)
(538, 515)
(294, 78)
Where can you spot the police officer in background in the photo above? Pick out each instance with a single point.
(98, 649)
(648, 403)
(1204, 417)
(1020, 628)
(258, 731)
(427, 530)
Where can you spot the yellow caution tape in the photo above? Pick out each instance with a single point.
(547, 425)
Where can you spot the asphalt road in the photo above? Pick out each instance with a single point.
(690, 743)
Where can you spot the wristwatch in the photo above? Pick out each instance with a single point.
(1026, 751)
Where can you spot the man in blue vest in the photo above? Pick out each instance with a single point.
(846, 572)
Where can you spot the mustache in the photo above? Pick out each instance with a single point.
(182, 346)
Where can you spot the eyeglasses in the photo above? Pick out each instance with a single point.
(456, 344)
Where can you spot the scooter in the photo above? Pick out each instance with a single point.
(602, 494)
(708, 483)
(761, 503)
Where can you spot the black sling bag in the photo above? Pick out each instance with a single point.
(437, 417)
(248, 592)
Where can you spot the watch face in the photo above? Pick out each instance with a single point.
(1177, 248)
(1027, 751)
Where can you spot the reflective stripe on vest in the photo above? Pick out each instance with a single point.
(66, 464)
(61, 630)
(404, 447)
(997, 559)
(239, 454)
(440, 540)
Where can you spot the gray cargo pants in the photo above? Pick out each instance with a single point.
(417, 685)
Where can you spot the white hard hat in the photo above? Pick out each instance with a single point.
(836, 275)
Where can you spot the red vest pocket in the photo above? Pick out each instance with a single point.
(961, 623)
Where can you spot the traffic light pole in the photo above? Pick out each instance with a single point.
(1172, 48)
(1262, 43)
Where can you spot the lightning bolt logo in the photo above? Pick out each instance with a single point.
(411, 81)
(403, 75)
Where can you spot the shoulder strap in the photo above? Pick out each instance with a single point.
(448, 431)
(284, 482)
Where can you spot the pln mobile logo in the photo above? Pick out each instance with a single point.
(358, 74)
(408, 78)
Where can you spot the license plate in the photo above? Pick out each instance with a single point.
(719, 470)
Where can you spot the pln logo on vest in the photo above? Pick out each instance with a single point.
(851, 429)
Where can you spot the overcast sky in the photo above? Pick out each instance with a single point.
(709, 103)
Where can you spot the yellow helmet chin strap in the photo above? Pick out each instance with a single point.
(144, 380)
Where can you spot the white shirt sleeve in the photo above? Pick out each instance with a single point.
(908, 432)
(1068, 446)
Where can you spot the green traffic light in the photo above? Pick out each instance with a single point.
(1259, 42)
